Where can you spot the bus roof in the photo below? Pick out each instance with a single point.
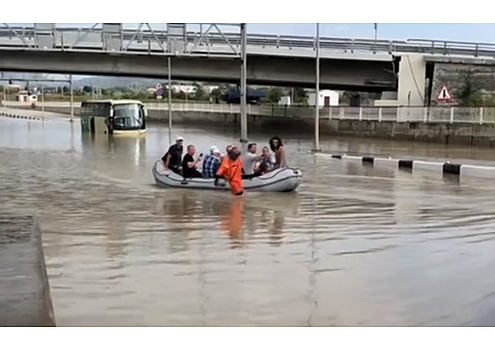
(114, 102)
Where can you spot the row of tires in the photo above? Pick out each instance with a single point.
(18, 116)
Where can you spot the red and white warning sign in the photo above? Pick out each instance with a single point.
(444, 94)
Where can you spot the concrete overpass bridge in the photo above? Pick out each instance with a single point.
(398, 66)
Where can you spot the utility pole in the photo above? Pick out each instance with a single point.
(244, 138)
(71, 99)
(169, 100)
(42, 100)
(317, 92)
(4, 90)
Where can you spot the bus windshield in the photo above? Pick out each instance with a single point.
(128, 116)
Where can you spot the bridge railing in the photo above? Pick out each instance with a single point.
(155, 41)
(476, 115)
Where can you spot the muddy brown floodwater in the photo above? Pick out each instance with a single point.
(356, 245)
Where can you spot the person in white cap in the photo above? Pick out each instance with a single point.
(173, 158)
(211, 163)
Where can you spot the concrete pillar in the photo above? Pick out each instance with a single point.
(411, 88)
(412, 80)
(24, 290)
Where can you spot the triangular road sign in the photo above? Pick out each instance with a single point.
(444, 94)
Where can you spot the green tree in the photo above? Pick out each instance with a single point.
(216, 93)
(181, 95)
(300, 96)
(468, 94)
(200, 93)
(274, 95)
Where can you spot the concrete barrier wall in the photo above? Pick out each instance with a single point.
(24, 289)
(465, 134)
(440, 132)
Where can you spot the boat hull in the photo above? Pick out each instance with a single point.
(279, 180)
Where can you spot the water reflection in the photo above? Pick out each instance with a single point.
(241, 219)
(232, 222)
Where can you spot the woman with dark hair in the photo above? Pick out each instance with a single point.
(277, 147)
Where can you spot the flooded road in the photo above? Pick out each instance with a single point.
(355, 245)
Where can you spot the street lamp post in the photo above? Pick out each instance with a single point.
(375, 26)
(244, 137)
(42, 100)
(71, 99)
(317, 92)
(169, 63)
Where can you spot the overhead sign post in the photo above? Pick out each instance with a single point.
(159, 91)
(444, 95)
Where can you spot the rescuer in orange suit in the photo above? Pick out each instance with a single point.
(231, 170)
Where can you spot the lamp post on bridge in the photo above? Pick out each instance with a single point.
(375, 27)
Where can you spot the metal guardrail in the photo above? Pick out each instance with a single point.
(151, 41)
(475, 115)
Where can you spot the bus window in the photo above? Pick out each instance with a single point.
(128, 116)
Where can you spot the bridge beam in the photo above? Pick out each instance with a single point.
(283, 71)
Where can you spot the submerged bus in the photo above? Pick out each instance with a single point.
(113, 117)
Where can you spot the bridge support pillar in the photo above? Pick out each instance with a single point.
(411, 86)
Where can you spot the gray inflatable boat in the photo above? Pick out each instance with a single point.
(279, 180)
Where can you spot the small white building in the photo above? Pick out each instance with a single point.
(327, 98)
(284, 101)
(24, 96)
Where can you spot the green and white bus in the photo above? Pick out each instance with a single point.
(113, 117)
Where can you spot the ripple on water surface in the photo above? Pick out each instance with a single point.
(355, 246)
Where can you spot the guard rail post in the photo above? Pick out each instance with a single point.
(425, 114)
(481, 115)
(360, 113)
(451, 115)
(380, 114)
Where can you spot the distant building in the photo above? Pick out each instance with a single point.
(191, 89)
(25, 96)
(327, 98)
(285, 101)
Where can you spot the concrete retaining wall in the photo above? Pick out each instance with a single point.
(454, 76)
(24, 289)
(456, 133)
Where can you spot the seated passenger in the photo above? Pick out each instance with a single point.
(249, 161)
(189, 164)
(173, 158)
(267, 163)
(211, 163)
(277, 147)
